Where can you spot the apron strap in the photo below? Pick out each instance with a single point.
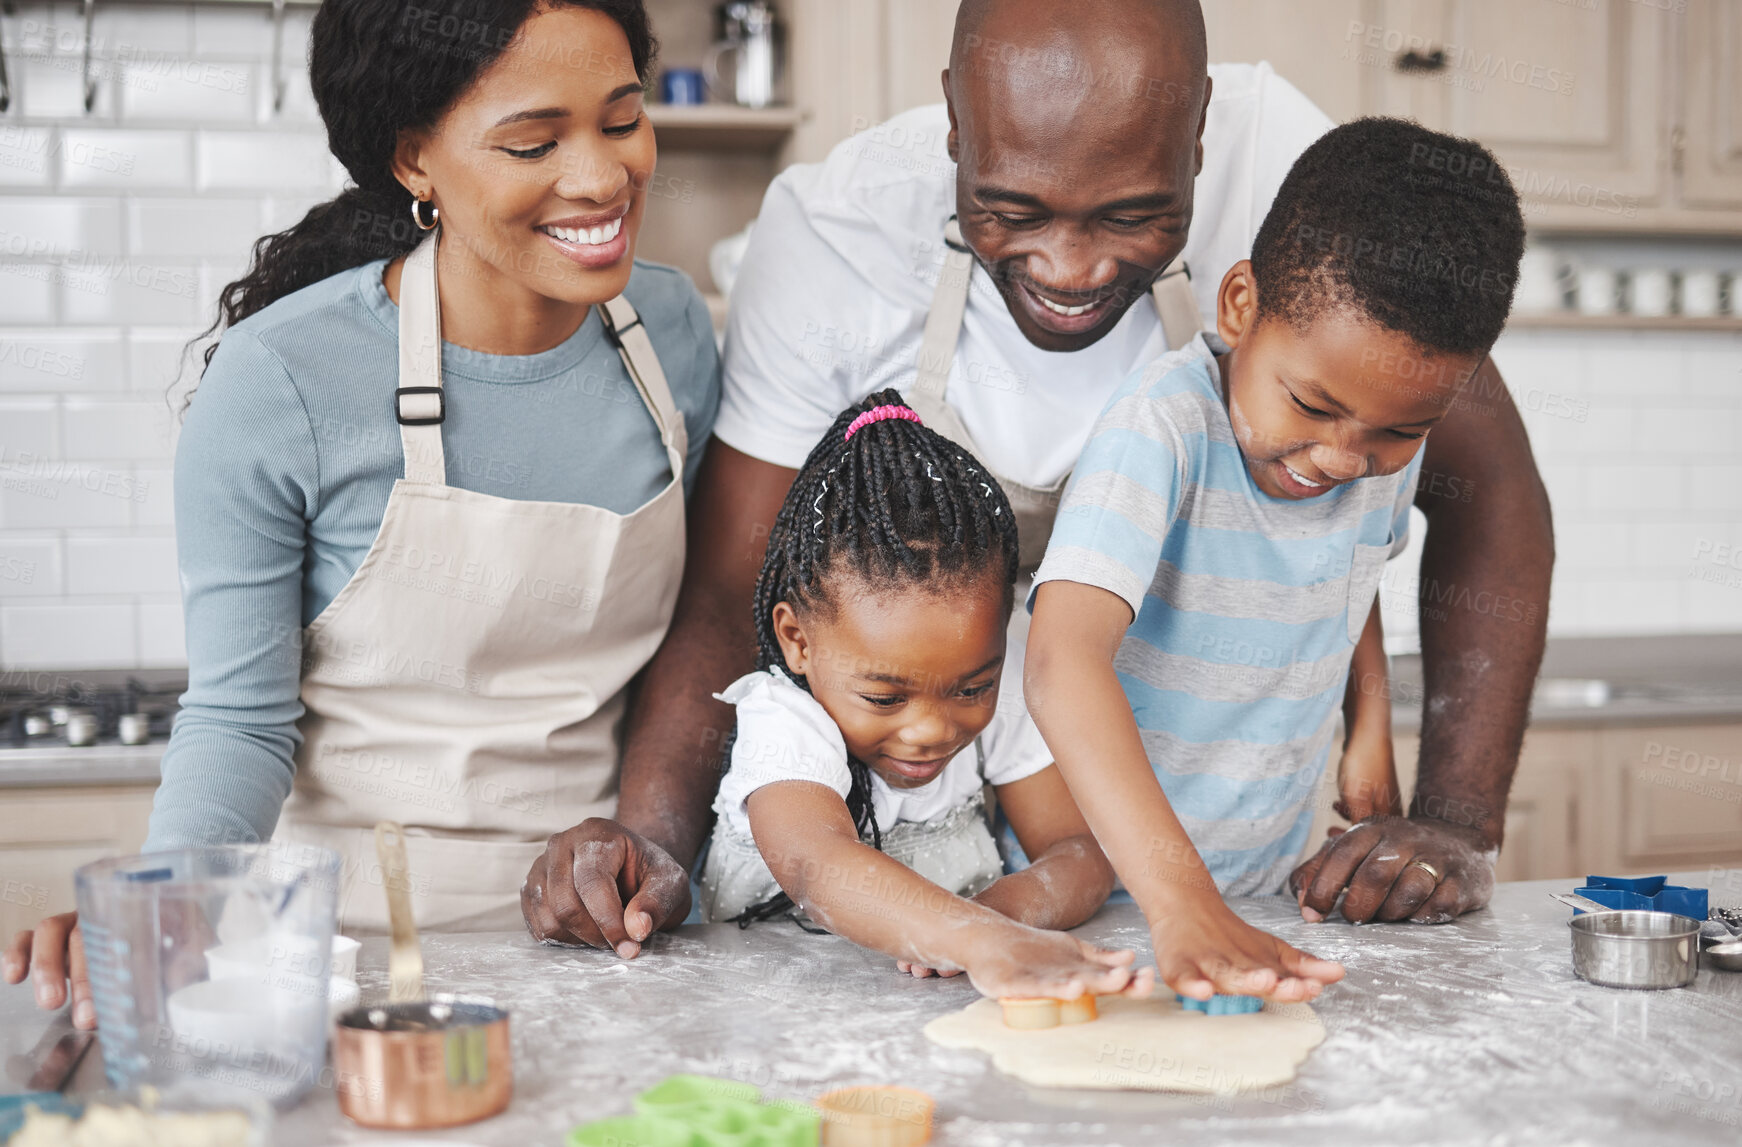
(623, 326)
(420, 405)
(943, 325)
(1176, 304)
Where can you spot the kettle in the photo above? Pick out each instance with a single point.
(744, 67)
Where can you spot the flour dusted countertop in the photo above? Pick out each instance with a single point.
(1470, 1033)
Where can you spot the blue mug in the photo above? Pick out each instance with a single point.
(682, 86)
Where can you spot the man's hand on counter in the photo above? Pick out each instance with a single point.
(52, 954)
(604, 886)
(1391, 868)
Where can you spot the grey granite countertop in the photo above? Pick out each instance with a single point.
(1475, 1032)
(1609, 681)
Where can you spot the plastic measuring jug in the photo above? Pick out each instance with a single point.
(166, 1019)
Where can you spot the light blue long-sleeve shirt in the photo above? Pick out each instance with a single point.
(287, 457)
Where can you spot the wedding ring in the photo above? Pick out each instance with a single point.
(1427, 868)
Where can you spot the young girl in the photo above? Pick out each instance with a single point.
(864, 738)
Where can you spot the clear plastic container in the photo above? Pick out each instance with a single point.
(252, 1024)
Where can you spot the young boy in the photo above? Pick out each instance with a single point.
(1214, 570)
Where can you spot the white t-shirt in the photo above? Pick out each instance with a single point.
(784, 734)
(831, 300)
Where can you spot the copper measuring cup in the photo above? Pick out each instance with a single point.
(413, 1062)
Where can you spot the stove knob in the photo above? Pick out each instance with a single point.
(81, 729)
(135, 728)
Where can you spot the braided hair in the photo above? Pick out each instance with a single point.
(895, 504)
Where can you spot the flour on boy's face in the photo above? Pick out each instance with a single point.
(1343, 399)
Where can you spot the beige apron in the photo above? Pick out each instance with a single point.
(1035, 507)
(469, 680)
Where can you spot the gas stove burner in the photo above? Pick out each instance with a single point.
(79, 713)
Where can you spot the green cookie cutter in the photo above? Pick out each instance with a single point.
(698, 1111)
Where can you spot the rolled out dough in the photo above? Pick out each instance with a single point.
(1142, 1045)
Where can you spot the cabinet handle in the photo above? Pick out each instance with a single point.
(1414, 61)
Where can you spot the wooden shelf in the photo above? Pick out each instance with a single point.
(1573, 320)
(720, 127)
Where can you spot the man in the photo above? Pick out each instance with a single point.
(1083, 148)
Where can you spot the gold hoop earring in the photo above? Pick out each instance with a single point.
(435, 215)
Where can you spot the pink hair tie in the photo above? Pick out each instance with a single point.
(880, 414)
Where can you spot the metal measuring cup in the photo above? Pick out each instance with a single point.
(413, 1062)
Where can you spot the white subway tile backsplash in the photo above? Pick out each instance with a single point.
(26, 156)
(189, 227)
(282, 211)
(157, 357)
(297, 105)
(1714, 367)
(1629, 365)
(161, 634)
(1688, 432)
(125, 158)
(153, 497)
(60, 360)
(121, 565)
(28, 426)
(27, 292)
(1581, 545)
(242, 30)
(270, 160)
(48, 494)
(130, 32)
(1713, 606)
(1620, 487)
(165, 88)
(1715, 488)
(1675, 545)
(59, 228)
(68, 635)
(119, 290)
(1610, 428)
(30, 567)
(54, 87)
(1567, 491)
(99, 430)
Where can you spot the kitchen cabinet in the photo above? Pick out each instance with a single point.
(1316, 47)
(1710, 56)
(1667, 796)
(1569, 96)
(48, 832)
(1610, 115)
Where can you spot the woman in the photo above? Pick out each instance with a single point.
(417, 584)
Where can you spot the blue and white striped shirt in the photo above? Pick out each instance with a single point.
(1247, 608)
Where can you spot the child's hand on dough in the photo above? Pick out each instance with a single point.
(1026, 961)
(1203, 948)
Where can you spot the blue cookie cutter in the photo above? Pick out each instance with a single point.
(1222, 1005)
(1645, 893)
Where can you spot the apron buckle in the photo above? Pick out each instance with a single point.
(419, 409)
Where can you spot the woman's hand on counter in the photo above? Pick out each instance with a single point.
(604, 886)
(1391, 868)
(53, 954)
